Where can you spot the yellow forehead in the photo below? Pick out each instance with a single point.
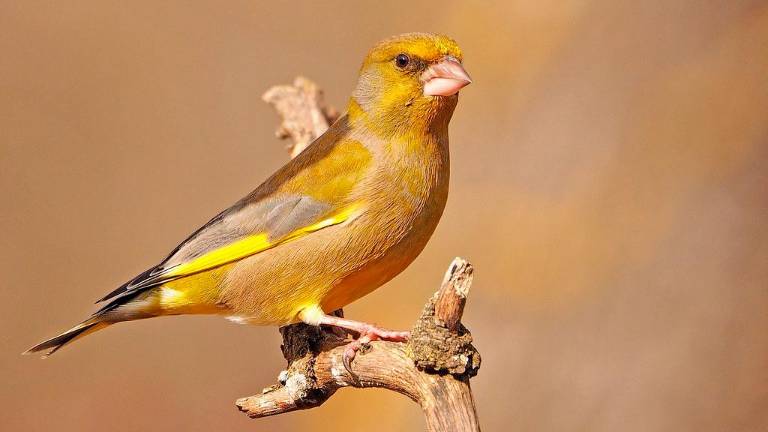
(426, 46)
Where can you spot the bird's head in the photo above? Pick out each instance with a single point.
(410, 80)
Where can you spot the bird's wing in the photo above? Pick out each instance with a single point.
(302, 197)
(240, 232)
(280, 222)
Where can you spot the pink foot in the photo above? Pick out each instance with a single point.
(366, 333)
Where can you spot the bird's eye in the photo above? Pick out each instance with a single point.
(402, 60)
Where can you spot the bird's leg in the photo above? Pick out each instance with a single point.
(366, 333)
(364, 329)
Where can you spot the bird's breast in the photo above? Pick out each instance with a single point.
(406, 198)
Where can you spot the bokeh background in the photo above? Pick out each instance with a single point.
(609, 183)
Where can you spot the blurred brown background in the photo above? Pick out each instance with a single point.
(609, 183)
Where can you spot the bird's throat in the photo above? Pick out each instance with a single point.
(419, 117)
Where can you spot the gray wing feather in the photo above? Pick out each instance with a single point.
(276, 215)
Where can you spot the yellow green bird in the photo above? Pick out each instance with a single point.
(345, 216)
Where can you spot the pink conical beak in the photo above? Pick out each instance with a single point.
(445, 78)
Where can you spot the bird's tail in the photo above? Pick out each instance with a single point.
(55, 343)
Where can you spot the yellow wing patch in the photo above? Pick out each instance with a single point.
(254, 244)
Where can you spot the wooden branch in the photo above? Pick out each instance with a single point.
(303, 111)
(453, 295)
(433, 368)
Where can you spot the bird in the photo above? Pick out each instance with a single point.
(342, 218)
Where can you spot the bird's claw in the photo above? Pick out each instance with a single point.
(365, 332)
(362, 343)
(349, 354)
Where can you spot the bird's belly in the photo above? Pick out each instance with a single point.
(377, 271)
